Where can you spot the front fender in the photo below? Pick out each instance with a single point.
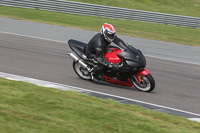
(141, 72)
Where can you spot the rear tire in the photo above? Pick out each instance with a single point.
(81, 72)
(147, 84)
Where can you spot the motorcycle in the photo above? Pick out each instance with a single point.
(131, 72)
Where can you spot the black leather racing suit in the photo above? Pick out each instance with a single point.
(96, 48)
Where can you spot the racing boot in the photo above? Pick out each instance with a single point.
(95, 78)
(95, 75)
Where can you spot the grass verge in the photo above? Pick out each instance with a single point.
(178, 7)
(182, 35)
(26, 107)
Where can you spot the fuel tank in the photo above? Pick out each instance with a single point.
(111, 55)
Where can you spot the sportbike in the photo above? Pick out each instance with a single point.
(132, 64)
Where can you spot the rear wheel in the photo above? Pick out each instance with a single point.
(147, 83)
(81, 72)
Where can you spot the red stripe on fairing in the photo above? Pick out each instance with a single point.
(117, 82)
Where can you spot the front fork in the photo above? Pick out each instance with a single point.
(139, 73)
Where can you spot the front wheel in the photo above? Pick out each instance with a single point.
(81, 72)
(147, 83)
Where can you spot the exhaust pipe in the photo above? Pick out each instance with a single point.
(79, 61)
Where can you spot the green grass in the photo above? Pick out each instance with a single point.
(28, 108)
(182, 35)
(179, 7)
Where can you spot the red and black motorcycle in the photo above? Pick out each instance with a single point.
(131, 73)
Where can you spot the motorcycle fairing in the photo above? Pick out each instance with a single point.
(122, 83)
(134, 57)
(77, 47)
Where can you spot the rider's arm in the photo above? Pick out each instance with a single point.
(100, 57)
(119, 42)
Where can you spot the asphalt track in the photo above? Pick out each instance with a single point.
(177, 82)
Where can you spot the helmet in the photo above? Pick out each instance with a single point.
(108, 31)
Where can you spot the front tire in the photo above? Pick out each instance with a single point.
(81, 72)
(147, 84)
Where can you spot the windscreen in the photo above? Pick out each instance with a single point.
(131, 54)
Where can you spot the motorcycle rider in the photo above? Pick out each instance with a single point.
(96, 48)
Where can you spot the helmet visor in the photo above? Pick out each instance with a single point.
(110, 36)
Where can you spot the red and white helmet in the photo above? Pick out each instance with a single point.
(108, 31)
